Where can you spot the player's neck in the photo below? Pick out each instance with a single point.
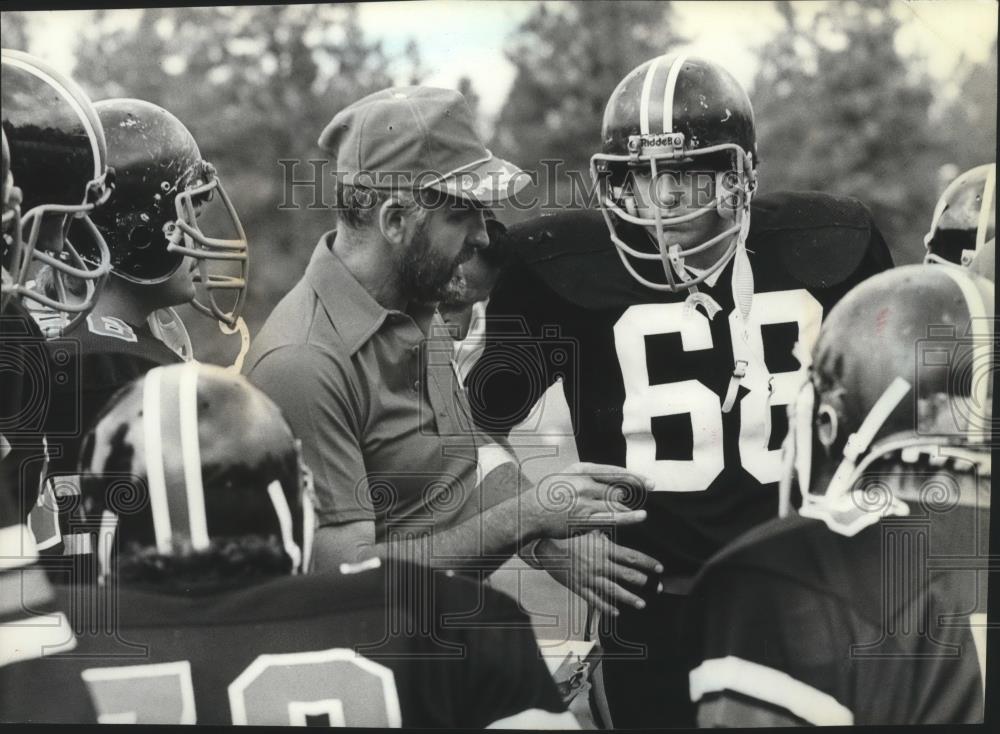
(125, 303)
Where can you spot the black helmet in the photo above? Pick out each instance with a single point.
(676, 109)
(150, 223)
(164, 460)
(58, 158)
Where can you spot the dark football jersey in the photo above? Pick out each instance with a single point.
(28, 376)
(645, 376)
(99, 357)
(375, 649)
(794, 623)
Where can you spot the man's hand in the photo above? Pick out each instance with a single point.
(597, 569)
(581, 496)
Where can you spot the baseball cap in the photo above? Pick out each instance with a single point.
(416, 138)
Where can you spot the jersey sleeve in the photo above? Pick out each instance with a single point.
(512, 371)
(766, 651)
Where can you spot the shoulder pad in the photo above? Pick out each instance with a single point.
(820, 239)
(572, 253)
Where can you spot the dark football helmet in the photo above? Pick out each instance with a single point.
(58, 158)
(151, 222)
(10, 224)
(964, 218)
(902, 371)
(166, 471)
(671, 110)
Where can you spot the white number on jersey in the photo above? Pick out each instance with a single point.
(643, 401)
(274, 690)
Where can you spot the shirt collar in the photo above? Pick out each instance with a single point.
(352, 310)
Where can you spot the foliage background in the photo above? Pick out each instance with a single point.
(839, 106)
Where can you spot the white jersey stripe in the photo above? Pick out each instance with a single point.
(191, 454)
(153, 439)
(668, 93)
(647, 87)
(771, 686)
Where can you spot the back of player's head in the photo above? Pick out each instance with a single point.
(58, 158)
(198, 481)
(901, 374)
(151, 222)
(964, 218)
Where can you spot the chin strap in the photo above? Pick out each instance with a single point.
(859, 441)
(742, 283)
(244, 332)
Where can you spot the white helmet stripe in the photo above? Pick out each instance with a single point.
(284, 514)
(981, 342)
(647, 88)
(989, 192)
(668, 93)
(153, 447)
(191, 453)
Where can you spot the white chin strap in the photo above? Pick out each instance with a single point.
(859, 441)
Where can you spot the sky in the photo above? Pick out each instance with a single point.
(461, 38)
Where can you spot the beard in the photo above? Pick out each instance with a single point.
(428, 276)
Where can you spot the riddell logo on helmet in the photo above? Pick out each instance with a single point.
(639, 144)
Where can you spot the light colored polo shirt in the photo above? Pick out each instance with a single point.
(375, 397)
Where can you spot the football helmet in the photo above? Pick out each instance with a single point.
(964, 217)
(10, 225)
(165, 471)
(902, 371)
(58, 157)
(675, 110)
(151, 222)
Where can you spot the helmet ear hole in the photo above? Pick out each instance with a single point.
(827, 425)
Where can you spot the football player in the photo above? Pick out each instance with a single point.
(682, 300)
(201, 537)
(965, 217)
(54, 169)
(158, 255)
(54, 174)
(869, 605)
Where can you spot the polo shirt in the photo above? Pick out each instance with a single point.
(375, 397)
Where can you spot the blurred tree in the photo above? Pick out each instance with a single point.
(14, 30)
(568, 57)
(840, 110)
(969, 119)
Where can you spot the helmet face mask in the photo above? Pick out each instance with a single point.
(59, 159)
(714, 139)
(185, 237)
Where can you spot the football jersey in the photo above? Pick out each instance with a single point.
(100, 356)
(645, 375)
(375, 648)
(796, 624)
(28, 377)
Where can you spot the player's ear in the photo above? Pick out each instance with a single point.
(392, 220)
